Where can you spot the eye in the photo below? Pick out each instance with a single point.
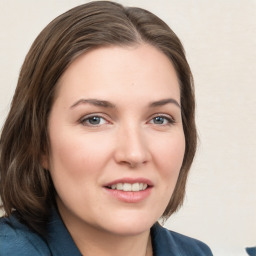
(93, 121)
(161, 120)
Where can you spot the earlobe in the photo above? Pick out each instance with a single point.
(45, 162)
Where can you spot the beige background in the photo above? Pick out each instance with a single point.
(220, 39)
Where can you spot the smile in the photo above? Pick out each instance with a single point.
(129, 186)
(130, 190)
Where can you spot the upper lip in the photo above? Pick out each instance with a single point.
(130, 180)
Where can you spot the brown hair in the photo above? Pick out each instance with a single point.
(25, 186)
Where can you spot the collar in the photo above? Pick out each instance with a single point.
(59, 240)
(163, 242)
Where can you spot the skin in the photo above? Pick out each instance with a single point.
(129, 139)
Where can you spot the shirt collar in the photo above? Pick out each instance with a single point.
(59, 240)
(162, 242)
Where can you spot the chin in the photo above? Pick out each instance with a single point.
(130, 225)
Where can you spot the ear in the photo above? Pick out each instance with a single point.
(45, 161)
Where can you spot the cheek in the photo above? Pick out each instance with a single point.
(73, 167)
(77, 158)
(169, 155)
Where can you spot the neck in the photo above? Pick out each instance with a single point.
(91, 241)
(104, 244)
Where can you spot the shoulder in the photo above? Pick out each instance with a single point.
(172, 243)
(17, 239)
(190, 244)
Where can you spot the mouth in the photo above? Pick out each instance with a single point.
(130, 190)
(129, 187)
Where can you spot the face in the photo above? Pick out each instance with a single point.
(116, 139)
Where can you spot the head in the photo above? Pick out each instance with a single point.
(25, 185)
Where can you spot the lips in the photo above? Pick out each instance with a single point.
(130, 190)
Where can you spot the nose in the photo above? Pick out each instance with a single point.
(131, 148)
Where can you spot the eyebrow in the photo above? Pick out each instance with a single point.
(107, 104)
(95, 102)
(164, 102)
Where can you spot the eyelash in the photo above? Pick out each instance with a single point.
(169, 120)
(84, 121)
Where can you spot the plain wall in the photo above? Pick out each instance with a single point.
(220, 40)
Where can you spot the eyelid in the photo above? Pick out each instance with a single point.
(171, 120)
(84, 118)
(168, 117)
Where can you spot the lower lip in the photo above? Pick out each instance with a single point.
(130, 196)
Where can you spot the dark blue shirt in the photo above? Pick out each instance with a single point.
(251, 251)
(17, 239)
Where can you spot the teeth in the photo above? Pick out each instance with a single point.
(113, 186)
(129, 187)
(136, 187)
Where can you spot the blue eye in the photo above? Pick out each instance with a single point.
(161, 120)
(93, 121)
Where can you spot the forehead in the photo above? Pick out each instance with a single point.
(112, 71)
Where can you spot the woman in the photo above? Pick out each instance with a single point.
(99, 138)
